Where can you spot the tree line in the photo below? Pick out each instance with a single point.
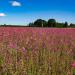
(49, 23)
(44, 23)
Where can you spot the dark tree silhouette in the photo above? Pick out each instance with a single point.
(51, 23)
(59, 25)
(66, 24)
(40, 23)
(31, 25)
(72, 25)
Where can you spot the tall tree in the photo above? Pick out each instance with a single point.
(65, 24)
(51, 23)
(40, 23)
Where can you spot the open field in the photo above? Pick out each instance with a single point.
(37, 51)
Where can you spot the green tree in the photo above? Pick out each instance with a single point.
(65, 24)
(44, 23)
(40, 23)
(72, 25)
(51, 23)
(59, 25)
(31, 25)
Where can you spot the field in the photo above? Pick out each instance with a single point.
(37, 51)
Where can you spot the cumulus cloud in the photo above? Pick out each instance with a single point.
(15, 3)
(2, 14)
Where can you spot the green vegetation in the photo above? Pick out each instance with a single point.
(43, 23)
(50, 23)
(37, 51)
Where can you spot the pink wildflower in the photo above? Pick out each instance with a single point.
(11, 45)
(73, 64)
(23, 48)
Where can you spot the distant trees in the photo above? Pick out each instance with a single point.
(59, 25)
(66, 24)
(51, 23)
(40, 23)
(72, 25)
(44, 23)
(31, 24)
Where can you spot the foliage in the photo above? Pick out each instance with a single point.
(66, 24)
(72, 25)
(50, 23)
(43, 23)
(40, 23)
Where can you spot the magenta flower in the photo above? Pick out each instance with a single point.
(11, 45)
(73, 64)
(23, 48)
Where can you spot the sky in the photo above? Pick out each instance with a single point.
(22, 12)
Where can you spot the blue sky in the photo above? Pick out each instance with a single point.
(25, 11)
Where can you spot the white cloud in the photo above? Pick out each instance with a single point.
(2, 14)
(15, 3)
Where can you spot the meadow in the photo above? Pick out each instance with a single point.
(37, 51)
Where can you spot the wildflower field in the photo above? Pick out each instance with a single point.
(37, 51)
